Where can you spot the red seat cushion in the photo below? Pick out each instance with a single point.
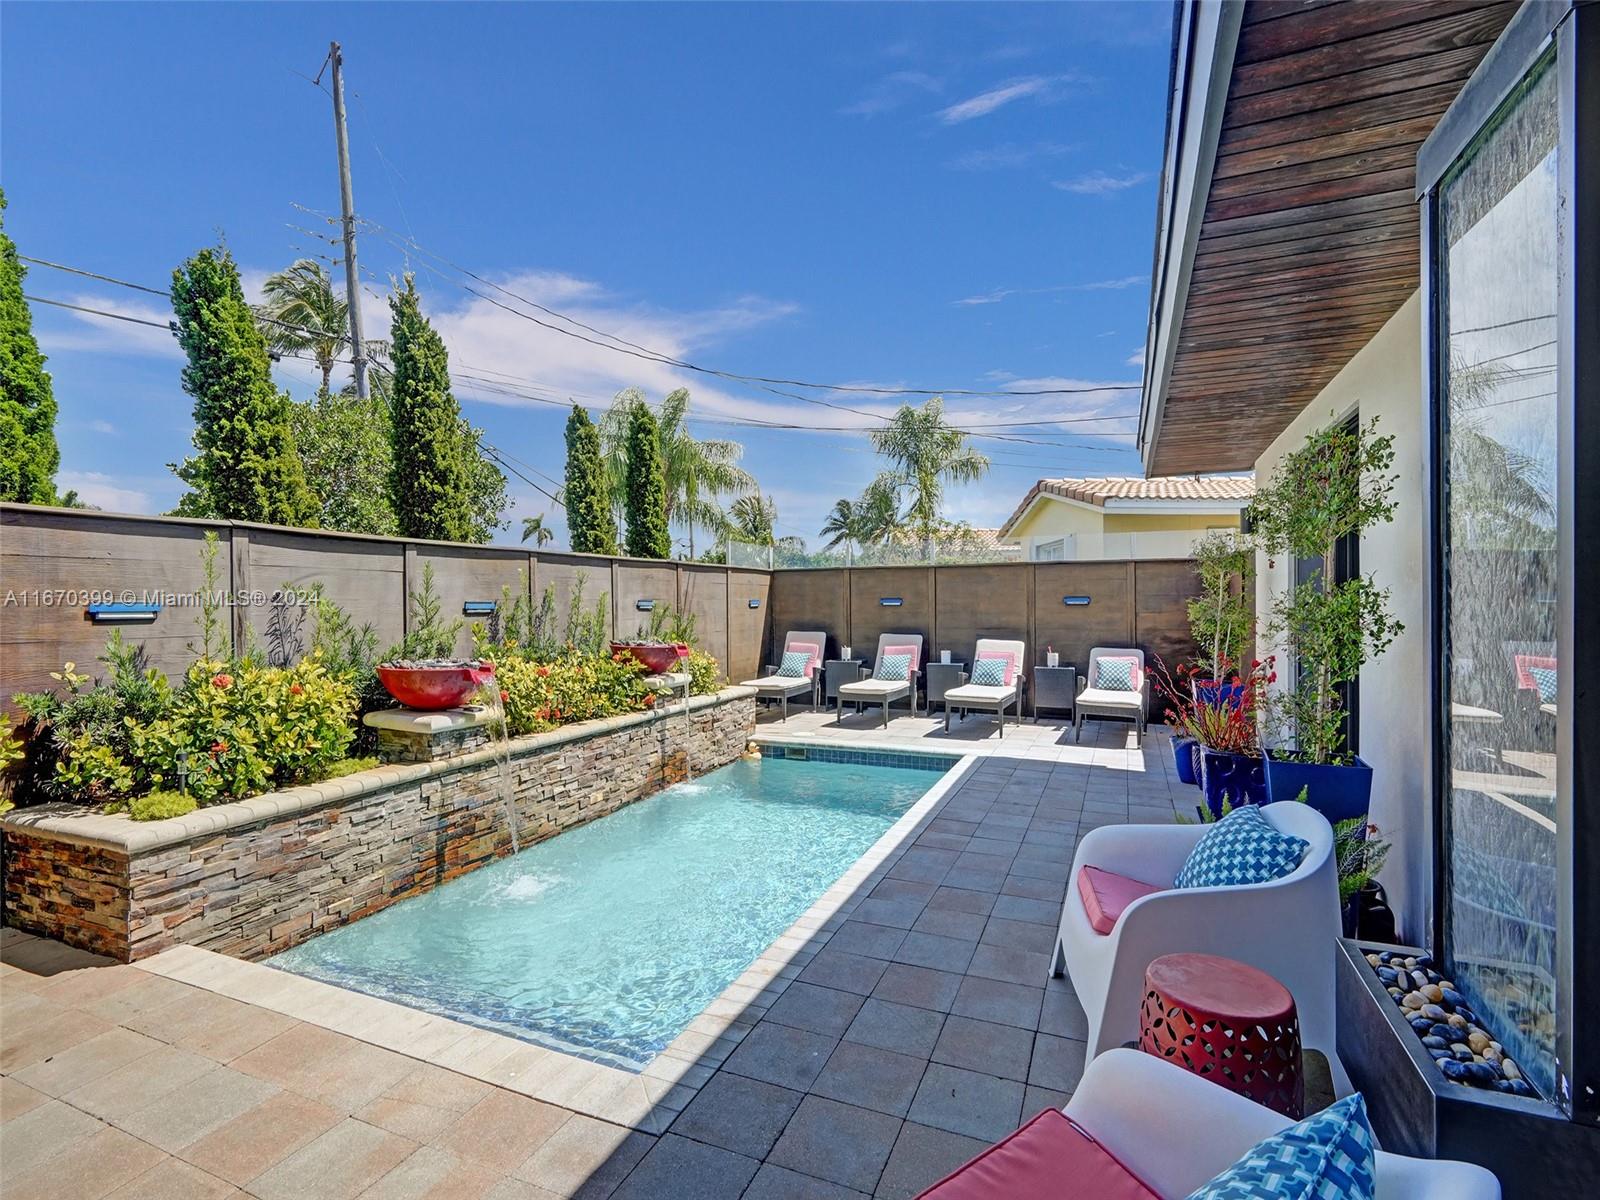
(1049, 1158)
(1105, 895)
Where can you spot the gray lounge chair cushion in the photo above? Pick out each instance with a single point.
(977, 695)
(875, 689)
(779, 685)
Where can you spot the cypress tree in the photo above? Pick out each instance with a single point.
(590, 525)
(28, 454)
(247, 467)
(646, 498)
(432, 480)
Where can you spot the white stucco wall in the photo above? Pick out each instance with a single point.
(1384, 380)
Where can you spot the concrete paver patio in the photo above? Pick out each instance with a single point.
(908, 1030)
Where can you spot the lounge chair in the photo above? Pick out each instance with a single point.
(879, 689)
(986, 697)
(1096, 700)
(774, 685)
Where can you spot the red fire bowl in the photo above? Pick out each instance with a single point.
(657, 657)
(430, 689)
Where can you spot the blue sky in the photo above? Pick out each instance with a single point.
(924, 195)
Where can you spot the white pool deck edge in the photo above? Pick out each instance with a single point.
(648, 1101)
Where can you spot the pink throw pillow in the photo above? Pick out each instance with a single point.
(809, 648)
(910, 651)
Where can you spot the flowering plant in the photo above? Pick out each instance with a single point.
(1225, 722)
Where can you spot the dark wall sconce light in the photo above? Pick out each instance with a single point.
(479, 608)
(644, 605)
(123, 614)
(1072, 601)
(890, 601)
(754, 603)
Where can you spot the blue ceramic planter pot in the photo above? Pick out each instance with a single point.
(1239, 777)
(1214, 694)
(1183, 758)
(1338, 793)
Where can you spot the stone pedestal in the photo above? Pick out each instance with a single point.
(408, 736)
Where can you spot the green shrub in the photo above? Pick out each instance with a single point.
(158, 806)
(242, 728)
(540, 696)
(705, 673)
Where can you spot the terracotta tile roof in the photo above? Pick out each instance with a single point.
(1224, 490)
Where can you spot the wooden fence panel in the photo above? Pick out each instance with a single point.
(703, 594)
(818, 600)
(366, 577)
(69, 554)
(870, 616)
(748, 628)
(991, 600)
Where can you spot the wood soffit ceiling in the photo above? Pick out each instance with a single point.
(1310, 237)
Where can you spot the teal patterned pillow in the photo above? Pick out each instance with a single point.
(989, 672)
(794, 664)
(894, 666)
(1328, 1156)
(1243, 847)
(1114, 674)
(1544, 678)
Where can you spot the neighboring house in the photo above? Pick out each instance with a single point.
(1061, 519)
(1392, 211)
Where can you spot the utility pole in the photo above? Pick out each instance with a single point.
(352, 279)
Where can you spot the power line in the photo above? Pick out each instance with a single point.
(637, 351)
(100, 312)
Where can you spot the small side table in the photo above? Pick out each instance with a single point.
(836, 671)
(1055, 687)
(1228, 1022)
(941, 677)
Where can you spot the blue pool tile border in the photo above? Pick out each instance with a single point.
(910, 759)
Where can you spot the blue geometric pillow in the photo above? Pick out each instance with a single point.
(1328, 1156)
(1114, 674)
(1243, 847)
(794, 664)
(989, 672)
(894, 666)
(1544, 678)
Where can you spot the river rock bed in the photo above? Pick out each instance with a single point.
(1448, 1028)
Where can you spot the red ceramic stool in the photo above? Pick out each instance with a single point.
(1229, 1022)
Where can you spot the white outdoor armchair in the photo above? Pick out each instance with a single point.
(1177, 1131)
(1286, 927)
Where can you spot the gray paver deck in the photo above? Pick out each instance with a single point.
(923, 1025)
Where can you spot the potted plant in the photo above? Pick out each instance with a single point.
(1226, 748)
(1222, 616)
(1338, 484)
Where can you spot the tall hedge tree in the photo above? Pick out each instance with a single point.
(587, 494)
(646, 499)
(28, 454)
(247, 467)
(432, 476)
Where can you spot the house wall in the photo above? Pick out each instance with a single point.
(1118, 522)
(1384, 380)
(1050, 518)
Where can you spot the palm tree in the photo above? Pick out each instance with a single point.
(697, 471)
(843, 525)
(303, 313)
(926, 452)
(534, 527)
(754, 519)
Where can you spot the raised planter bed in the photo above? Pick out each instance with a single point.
(260, 875)
(1415, 1110)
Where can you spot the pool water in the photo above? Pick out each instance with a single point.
(609, 939)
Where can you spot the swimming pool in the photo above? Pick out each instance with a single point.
(608, 940)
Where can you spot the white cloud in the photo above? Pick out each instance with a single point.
(104, 491)
(1007, 155)
(1136, 359)
(1098, 285)
(1099, 183)
(88, 333)
(891, 92)
(995, 98)
(98, 426)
